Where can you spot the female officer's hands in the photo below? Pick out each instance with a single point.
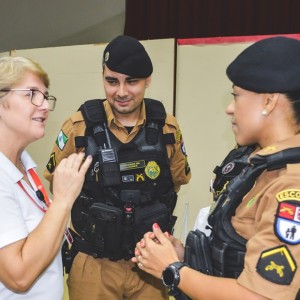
(156, 251)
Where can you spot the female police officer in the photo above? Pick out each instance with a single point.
(265, 221)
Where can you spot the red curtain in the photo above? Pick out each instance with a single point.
(155, 19)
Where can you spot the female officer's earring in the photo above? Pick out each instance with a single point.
(265, 113)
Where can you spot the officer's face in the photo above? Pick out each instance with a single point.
(248, 123)
(124, 93)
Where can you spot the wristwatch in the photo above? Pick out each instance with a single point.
(170, 277)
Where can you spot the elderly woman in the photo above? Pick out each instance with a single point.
(254, 246)
(32, 226)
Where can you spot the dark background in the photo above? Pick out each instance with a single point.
(156, 19)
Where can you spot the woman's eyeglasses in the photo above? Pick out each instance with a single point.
(36, 97)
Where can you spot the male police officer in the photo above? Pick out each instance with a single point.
(139, 164)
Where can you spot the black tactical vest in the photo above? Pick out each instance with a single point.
(228, 248)
(134, 177)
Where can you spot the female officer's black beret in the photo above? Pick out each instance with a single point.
(126, 55)
(268, 66)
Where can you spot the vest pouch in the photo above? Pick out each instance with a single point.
(105, 229)
(146, 216)
(197, 252)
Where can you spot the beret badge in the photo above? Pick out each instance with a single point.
(106, 57)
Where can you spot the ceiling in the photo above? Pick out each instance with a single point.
(28, 24)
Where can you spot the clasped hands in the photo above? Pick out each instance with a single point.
(157, 250)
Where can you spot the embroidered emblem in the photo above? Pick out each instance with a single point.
(132, 165)
(51, 163)
(61, 140)
(288, 195)
(152, 170)
(127, 178)
(228, 168)
(139, 177)
(287, 222)
(277, 265)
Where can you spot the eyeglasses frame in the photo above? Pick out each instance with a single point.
(46, 97)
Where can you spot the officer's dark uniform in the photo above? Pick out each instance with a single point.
(114, 209)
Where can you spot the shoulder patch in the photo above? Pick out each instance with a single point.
(61, 140)
(277, 265)
(228, 168)
(287, 222)
(291, 194)
(51, 163)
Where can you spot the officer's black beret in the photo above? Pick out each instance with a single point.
(126, 55)
(268, 66)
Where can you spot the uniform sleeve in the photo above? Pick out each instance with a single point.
(273, 252)
(64, 144)
(180, 169)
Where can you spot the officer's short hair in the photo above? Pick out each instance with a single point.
(126, 55)
(268, 66)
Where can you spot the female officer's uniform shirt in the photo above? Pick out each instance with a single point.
(269, 218)
(18, 217)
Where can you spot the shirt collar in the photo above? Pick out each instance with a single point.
(290, 142)
(111, 118)
(7, 167)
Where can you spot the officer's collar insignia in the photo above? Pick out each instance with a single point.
(277, 265)
(269, 149)
(287, 222)
(51, 163)
(152, 170)
(61, 140)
